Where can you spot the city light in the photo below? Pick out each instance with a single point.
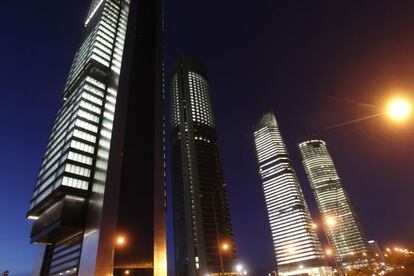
(239, 268)
(330, 221)
(399, 109)
(314, 226)
(127, 272)
(120, 240)
(328, 252)
(290, 249)
(225, 246)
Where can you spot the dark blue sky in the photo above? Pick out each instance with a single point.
(312, 62)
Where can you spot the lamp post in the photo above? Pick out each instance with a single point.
(120, 240)
(329, 222)
(220, 247)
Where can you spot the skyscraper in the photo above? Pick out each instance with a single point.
(204, 243)
(99, 202)
(296, 244)
(340, 222)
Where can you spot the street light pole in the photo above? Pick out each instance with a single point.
(119, 241)
(216, 225)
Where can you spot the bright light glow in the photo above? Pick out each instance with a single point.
(330, 221)
(314, 226)
(33, 217)
(225, 246)
(120, 240)
(126, 272)
(239, 268)
(399, 109)
(301, 267)
(328, 252)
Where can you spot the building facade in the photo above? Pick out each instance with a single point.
(376, 250)
(339, 220)
(296, 244)
(204, 243)
(98, 206)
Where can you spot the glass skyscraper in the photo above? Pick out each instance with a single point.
(340, 221)
(204, 243)
(296, 244)
(98, 206)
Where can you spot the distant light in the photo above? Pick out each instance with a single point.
(301, 267)
(331, 221)
(314, 226)
(126, 272)
(399, 109)
(328, 252)
(239, 268)
(33, 217)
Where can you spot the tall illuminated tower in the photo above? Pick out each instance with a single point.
(98, 205)
(296, 244)
(340, 220)
(204, 243)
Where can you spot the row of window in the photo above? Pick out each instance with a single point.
(75, 183)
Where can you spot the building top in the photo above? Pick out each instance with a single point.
(190, 64)
(268, 119)
(312, 142)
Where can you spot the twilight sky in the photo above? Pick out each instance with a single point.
(313, 62)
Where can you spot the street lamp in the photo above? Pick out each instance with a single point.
(330, 221)
(119, 241)
(399, 109)
(328, 252)
(225, 246)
